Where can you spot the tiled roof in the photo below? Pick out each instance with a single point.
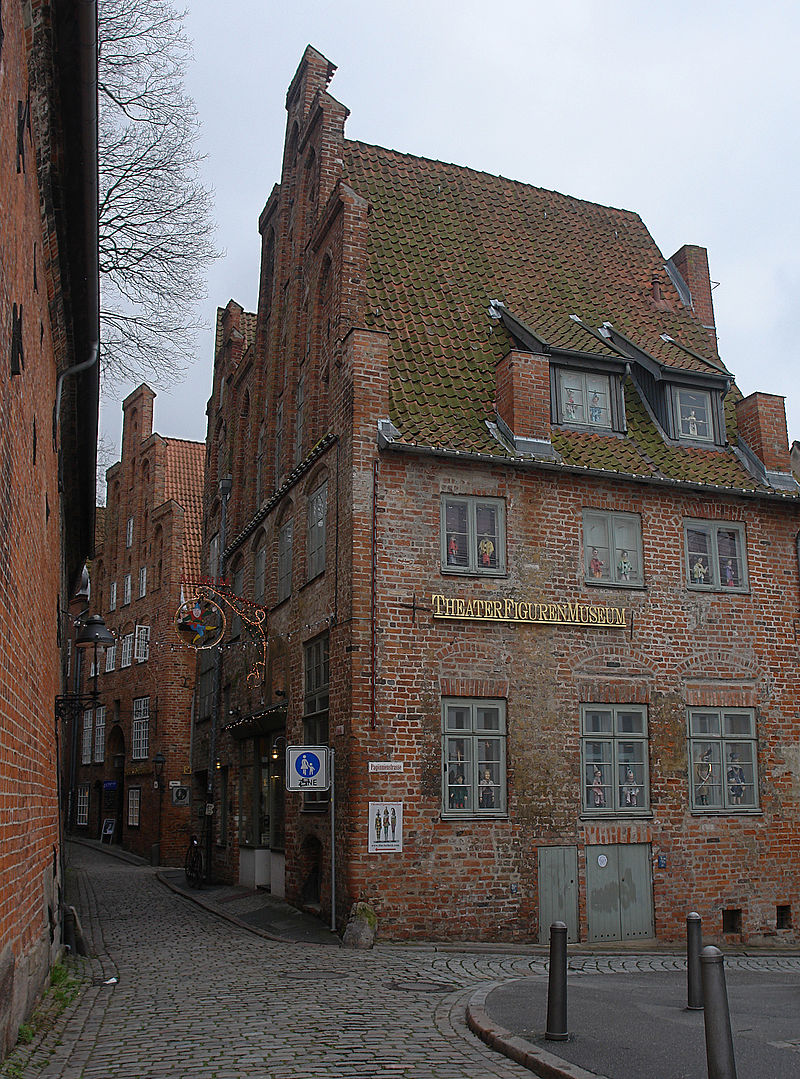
(247, 326)
(183, 482)
(445, 240)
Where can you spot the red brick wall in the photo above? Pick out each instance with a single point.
(523, 394)
(692, 262)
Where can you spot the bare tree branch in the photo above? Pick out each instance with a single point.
(156, 224)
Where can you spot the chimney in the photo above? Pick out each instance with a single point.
(691, 262)
(137, 418)
(522, 396)
(761, 419)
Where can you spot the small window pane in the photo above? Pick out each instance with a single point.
(707, 774)
(597, 395)
(459, 769)
(488, 719)
(457, 718)
(740, 774)
(598, 774)
(700, 567)
(694, 414)
(572, 399)
(738, 723)
(630, 722)
(598, 722)
(705, 723)
(486, 528)
(730, 572)
(456, 531)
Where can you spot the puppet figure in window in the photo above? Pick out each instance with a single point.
(458, 793)
(702, 772)
(730, 574)
(735, 779)
(595, 564)
(624, 567)
(595, 411)
(598, 794)
(691, 423)
(452, 551)
(486, 796)
(630, 789)
(699, 571)
(569, 406)
(486, 551)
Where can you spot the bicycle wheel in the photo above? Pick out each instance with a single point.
(194, 866)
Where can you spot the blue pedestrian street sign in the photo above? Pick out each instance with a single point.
(307, 768)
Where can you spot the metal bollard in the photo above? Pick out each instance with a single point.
(694, 978)
(557, 985)
(717, 1018)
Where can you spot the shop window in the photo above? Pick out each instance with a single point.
(473, 535)
(315, 704)
(141, 728)
(86, 745)
(100, 734)
(693, 420)
(722, 751)
(614, 761)
(474, 752)
(134, 806)
(612, 548)
(584, 398)
(315, 546)
(715, 555)
(285, 538)
(82, 806)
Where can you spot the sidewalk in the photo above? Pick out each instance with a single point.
(627, 1025)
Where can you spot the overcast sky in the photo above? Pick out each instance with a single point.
(685, 112)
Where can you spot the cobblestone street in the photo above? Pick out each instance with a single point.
(175, 991)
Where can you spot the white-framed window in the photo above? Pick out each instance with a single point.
(100, 734)
(141, 647)
(141, 728)
(724, 761)
(614, 759)
(126, 589)
(584, 398)
(82, 805)
(129, 532)
(693, 420)
(112, 599)
(715, 555)
(260, 570)
(612, 548)
(285, 539)
(134, 806)
(316, 665)
(127, 651)
(86, 745)
(315, 548)
(111, 657)
(213, 555)
(473, 535)
(473, 757)
(142, 581)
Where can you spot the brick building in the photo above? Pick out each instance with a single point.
(48, 437)
(132, 752)
(528, 556)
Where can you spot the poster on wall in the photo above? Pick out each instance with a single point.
(385, 827)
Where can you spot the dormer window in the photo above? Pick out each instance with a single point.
(693, 420)
(584, 398)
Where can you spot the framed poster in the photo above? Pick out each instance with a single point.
(385, 827)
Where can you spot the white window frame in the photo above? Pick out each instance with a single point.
(82, 805)
(316, 530)
(476, 552)
(285, 541)
(112, 599)
(613, 793)
(568, 412)
(129, 532)
(140, 729)
(612, 571)
(141, 646)
(712, 563)
(465, 761)
(142, 581)
(86, 743)
(685, 421)
(134, 807)
(111, 657)
(127, 651)
(713, 787)
(126, 590)
(100, 734)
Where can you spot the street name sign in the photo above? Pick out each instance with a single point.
(307, 768)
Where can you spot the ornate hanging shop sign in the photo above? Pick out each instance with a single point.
(200, 622)
(512, 610)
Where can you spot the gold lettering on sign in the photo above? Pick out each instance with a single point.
(509, 610)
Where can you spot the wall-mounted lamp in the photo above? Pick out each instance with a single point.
(158, 771)
(278, 738)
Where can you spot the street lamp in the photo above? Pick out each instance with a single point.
(158, 771)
